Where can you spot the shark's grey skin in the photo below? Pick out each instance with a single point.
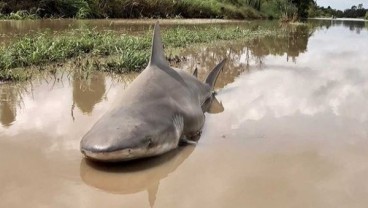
(162, 107)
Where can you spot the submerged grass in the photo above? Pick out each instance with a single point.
(131, 52)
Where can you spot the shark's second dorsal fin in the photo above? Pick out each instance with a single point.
(157, 55)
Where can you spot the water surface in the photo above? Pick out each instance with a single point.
(293, 132)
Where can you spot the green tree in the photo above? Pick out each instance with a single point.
(313, 10)
(302, 6)
(282, 9)
(256, 4)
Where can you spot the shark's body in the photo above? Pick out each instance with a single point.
(162, 107)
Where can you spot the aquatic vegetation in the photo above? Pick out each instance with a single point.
(132, 52)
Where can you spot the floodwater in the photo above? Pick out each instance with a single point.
(293, 133)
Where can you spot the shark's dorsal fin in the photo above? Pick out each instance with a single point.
(212, 76)
(157, 55)
(195, 73)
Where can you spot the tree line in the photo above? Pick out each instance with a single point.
(233, 9)
(356, 11)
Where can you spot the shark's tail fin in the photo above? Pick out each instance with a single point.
(215, 107)
(212, 105)
(212, 76)
(157, 55)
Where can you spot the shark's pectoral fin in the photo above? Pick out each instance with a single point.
(191, 139)
(178, 122)
(184, 141)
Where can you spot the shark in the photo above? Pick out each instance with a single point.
(162, 108)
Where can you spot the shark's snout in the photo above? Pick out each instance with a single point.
(115, 149)
(131, 142)
(96, 147)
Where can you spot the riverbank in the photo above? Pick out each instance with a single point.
(339, 19)
(110, 50)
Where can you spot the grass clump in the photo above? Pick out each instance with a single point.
(46, 47)
(131, 52)
(19, 15)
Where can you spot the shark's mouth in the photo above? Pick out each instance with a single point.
(115, 156)
(127, 154)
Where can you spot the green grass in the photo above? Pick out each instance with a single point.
(217, 9)
(131, 52)
(19, 15)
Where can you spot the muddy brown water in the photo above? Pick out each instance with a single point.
(294, 132)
